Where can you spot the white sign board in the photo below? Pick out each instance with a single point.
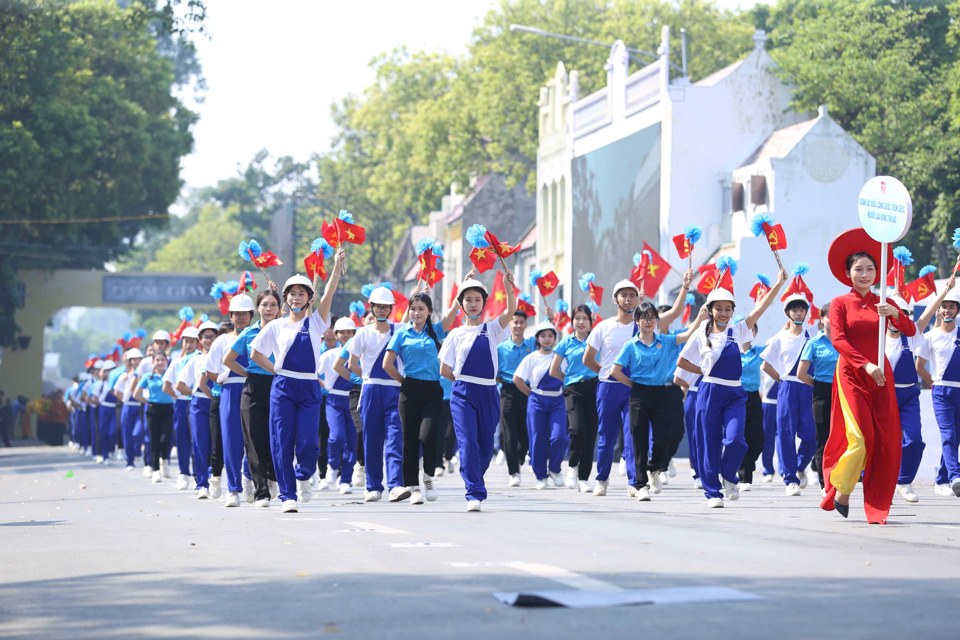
(885, 209)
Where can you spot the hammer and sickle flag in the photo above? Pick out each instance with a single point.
(776, 238)
(708, 278)
(921, 288)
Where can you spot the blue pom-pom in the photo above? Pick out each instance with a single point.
(594, 307)
(927, 269)
(526, 297)
(692, 233)
(186, 313)
(726, 263)
(476, 236)
(534, 276)
(636, 259)
(216, 291)
(204, 318)
(346, 216)
(956, 238)
(243, 250)
(764, 279)
(116, 349)
(232, 287)
(800, 269)
(92, 356)
(127, 336)
(756, 223)
(903, 255)
(386, 285)
(141, 333)
(562, 306)
(357, 307)
(103, 356)
(437, 250)
(424, 244)
(690, 299)
(367, 289)
(585, 281)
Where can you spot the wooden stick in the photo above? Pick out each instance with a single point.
(343, 270)
(776, 254)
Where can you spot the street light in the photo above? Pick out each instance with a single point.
(540, 32)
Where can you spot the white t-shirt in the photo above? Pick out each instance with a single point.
(940, 347)
(216, 354)
(893, 347)
(766, 384)
(533, 368)
(709, 354)
(122, 387)
(367, 345)
(325, 367)
(783, 350)
(456, 347)
(608, 339)
(277, 337)
(191, 372)
(173, 369)
(145, 367)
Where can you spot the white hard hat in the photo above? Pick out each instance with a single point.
(471, 284)
(190, 332)
(303, 281)
(133, 353)
(900, 302)
(108, 364)
(953, 296)
(544, 326)
(208, 325)
(161, 335)
(381, 295)
(795, 297)
(98, 364)
(241, 302)
(625, 284)
(344, 324)
(721, 295)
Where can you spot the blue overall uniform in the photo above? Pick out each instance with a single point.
(546, 415)
(770, 429)
(721, 413)
(342, 442)
(83, 416)
(795, 420)
(199, 421)
(690, 424)
(907, 385)
(231, 426)
(181, 420)
(946, 406)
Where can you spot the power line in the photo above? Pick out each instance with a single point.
(152, 216)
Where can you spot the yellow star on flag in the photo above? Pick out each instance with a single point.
(652, 269)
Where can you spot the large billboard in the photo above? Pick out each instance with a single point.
(616, 206)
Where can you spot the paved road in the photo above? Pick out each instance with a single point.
(106, 554)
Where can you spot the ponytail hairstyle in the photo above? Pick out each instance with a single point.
(425, 299)
(708, 327)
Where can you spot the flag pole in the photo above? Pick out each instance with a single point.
(343, 270)
(883, 300)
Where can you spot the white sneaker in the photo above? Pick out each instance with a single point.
(732, 490)
(313, 480)
(372, 496)
(249, 491)
(746, 486)
(955, 487)
(823, 493)
(515, 480)
(215, 487)
(324, 484)
(664, 478)
(439, 471)
(631, 491)
(450, 468)
(183, 482)
(622, 467)
(541, 484)
(130, 467)
(157, 477)
(399, 494)
(501, 457)
(88, 452)
(802, 475)
(415, 496)
(98, 459)
(671, 470)
(359, 475)
(289, 506)
(165, 468)
(203, 493)
(147, 471)
(232, 499)
(345, 489)
(942, 490)
(454, 461)
(768, 478)
(656, 486)
(274, 487)
(473, 505)
(557, 479)
(262, 503)
(793, 489)
(906, 490)
(600, 488)
(643, 494)
(429, 490)
(303, 491)
(697, 483)
(570, 482)
(715, 503)
(333, 475)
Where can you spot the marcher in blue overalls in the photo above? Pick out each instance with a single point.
(295, 343)
(189, 339)
(721, 400)
(188, 384)
(342, 442)
(690, 383)
(130, 412)
(108, 412)
(469, 358)
(770, 391)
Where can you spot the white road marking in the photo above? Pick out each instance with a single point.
(369, 527)
(419, 545)
(569, 578)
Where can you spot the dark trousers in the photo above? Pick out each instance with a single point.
(822, 405)
(324, 433)
(357, 421)
(648, 409)
(446, 428)
(581, 401)
(255, 418)
(419, 408)
(160, 426)
(676, 430)
(216, 439)
(514, 439)
(753, 433)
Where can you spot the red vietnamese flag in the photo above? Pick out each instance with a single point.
(656, 272)
(497, 303)
(502, 249)
(313, 263)
(561, 320)
(483, 259)
(683, 245)
(329, 233)
(596, 293)
(453, 297)
(687, 310)
(400, 304)
(548, 284)
(922, 287)
(759, 290)
(352, 233)
(814, 313)
(708, 278)
(776, 238)
(267, 259)
(428, 269)
(640, 271)
(726, 281)
(897, 278)
(526, 307)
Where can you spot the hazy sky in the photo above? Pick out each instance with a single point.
(274, 68)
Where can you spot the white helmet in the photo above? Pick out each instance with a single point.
(721, 295)
(241, 302)
(471, 284)
(900, 302)
(161, 335)
(208, 325)
(625, 284)
(953, 296)
(795, 297)
(98, 364)
(303, 281)
(381, 295)
(108, 364)
(545, 325)
(344, 324)
(132, 353)
(190, 332)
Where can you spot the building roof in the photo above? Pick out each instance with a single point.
(457, 211)
(780, 142)
(716, 77)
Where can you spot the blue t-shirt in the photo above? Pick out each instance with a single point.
(112, 377)
(418, 351)
(822, 356)
(751, 363)
(241, 347)
(510, 354)
(345, 354)
(572, 350)
(153, 383)
(651, 364)
(447, 387)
